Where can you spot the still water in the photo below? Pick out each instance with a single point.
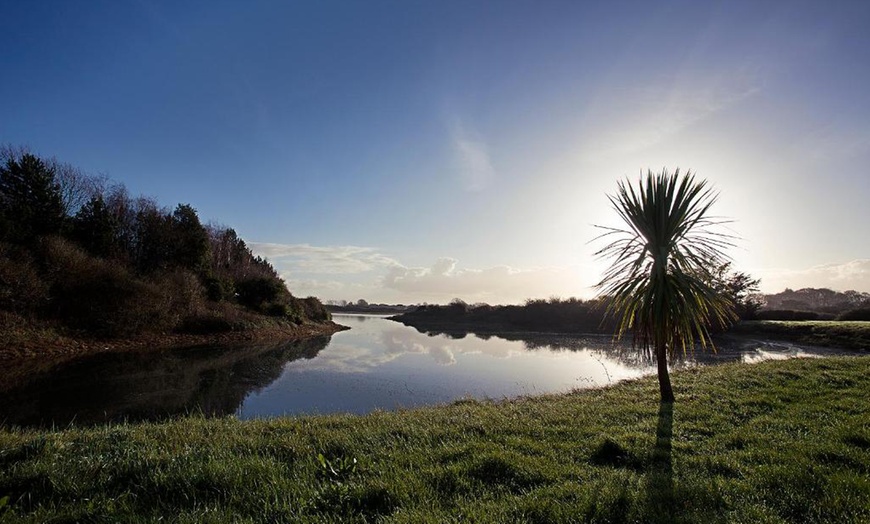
(377, 364)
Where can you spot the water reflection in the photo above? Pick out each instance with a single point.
(148, 386)
(726, 348)
(378, 364)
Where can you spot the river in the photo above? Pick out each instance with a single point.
(376, 365)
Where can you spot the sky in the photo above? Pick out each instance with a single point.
(419, 151)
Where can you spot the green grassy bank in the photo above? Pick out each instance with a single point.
(784, 441)
(848, 334)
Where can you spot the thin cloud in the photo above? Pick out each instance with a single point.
(475, 166)
(852, 275)
(834, 142)
(305, 258)
(646, 117)
(353, 272)
(444, 280)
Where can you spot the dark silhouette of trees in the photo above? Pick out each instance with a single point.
(740, 288)
(97, 229)
(189, 239)
(30, 199)
(555, 315)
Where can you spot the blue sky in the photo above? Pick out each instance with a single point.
(410, 151)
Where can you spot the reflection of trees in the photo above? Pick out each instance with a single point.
(728, 349)
(110, 387)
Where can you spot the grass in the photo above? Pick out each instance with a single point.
(784, 441)
(848, 334)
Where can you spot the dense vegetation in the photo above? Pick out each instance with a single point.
(553, 316)
(773, 442)
(826, 303)
(556, 315)
(79, 254)
(815, 304)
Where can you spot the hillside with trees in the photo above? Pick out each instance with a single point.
(81, 259)
(816, 304)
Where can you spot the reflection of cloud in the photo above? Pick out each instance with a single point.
(306, 258)
(401, 341)
(474, 162)
(442, 355)
(853, 275)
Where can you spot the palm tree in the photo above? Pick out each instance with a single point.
(659, 283)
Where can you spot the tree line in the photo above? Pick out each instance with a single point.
(79, 250)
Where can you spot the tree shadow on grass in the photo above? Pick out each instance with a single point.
(660, 478)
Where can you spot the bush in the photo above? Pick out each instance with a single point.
(314, 310)
(218, 289)
(21, 287)
(276, 309)
(257, 293)
(855, 314)
(219, 317)
(786, 314)
(100, 297)
(183, 290)
(204, 323)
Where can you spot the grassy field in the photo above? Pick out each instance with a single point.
(785, 441)
(849, 334)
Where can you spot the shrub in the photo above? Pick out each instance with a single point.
(21, 287)
(218, 317)
(786, 314)
(314, 310)
(205, 322)
(258, 292)
(100, 297)
(277, 309)
(855, 314)
(183, 290)
(218, 288)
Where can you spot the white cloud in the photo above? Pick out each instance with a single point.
(852, 275)
(354, 272)
(475, 166)
(498, 284)
(304, 258)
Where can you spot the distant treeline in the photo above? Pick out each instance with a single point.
(590, 316)
(815, 304)
(361, 306)
(555, 315)
(80, 252)
(571, 315)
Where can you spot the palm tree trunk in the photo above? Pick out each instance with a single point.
(665, 389)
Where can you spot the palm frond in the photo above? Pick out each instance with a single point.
(657, 283)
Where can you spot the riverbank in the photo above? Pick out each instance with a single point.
(24, 339)
(782, 441)
(29, 346)
(849, 334)
(845, 334)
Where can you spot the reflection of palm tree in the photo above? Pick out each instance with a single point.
(658, 283)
